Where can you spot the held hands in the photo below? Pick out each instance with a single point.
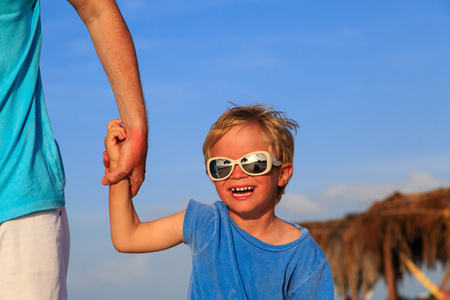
(124, 157)
(113, 144)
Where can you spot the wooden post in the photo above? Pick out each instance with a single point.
(389, 273)
(445, 279)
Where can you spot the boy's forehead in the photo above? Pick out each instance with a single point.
(245, 131)
(254, 128)
(241, 138)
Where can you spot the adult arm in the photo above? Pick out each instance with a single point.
(115, 49)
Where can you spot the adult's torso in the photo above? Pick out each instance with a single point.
(32, 175)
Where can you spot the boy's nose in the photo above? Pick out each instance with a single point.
(237, 172)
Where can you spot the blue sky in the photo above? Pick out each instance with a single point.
(368, 82)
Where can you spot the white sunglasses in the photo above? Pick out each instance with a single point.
(254, 164)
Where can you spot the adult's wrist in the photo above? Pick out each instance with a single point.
(136, 129)
(138, 136)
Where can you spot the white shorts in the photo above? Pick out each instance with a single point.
(34, 256)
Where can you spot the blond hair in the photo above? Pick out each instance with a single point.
(275, 127)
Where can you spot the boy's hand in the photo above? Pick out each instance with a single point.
(133, 154)
(113, 140)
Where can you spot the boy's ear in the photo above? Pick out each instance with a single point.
(285, 173)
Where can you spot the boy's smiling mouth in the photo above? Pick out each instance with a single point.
(242, 191)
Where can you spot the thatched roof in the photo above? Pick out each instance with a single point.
(414, 225)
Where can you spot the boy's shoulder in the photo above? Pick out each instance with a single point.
(201, 221)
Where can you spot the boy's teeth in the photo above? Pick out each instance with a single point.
(242, 189)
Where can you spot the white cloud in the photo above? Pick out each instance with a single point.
(297, 205)
(102, 273)
(366, 193)
(124, 271)
(117, 270)
(344, 192)
(339, 199)
(421, 181)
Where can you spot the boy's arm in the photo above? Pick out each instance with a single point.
(132, 236)
(115, 49)
(127, 232)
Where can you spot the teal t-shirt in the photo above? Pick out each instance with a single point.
(31, 170)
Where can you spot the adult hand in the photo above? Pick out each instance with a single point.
(132, 160)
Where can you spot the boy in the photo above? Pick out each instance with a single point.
(240, 249)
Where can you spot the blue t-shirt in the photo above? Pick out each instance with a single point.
(31, 170)
(229, 263)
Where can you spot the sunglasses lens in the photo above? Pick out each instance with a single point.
(255, 163)
(220, 168)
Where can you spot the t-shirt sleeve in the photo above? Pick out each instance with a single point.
(198, 225)
(317, 280)
(318, 286)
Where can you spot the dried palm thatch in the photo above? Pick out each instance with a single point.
(363, 248)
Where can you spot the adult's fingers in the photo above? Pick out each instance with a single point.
(136, 180)
(106, 160)
(114, 177)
